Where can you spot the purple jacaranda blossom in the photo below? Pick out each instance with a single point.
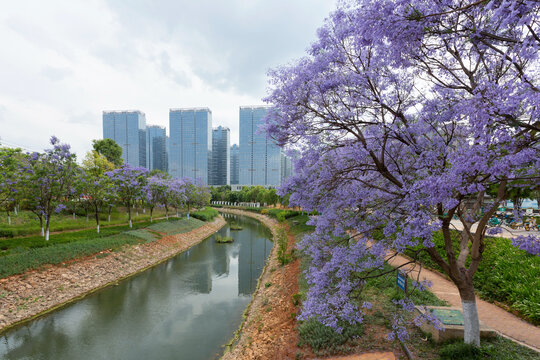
(403, 119)
(59, 208)
(129, 183)
(47, 181)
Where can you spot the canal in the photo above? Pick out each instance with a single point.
(185, 308)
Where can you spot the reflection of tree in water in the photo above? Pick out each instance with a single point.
(253, 252)
(129, 316)
(23, 344)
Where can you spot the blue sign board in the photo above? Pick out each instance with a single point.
(401, 281)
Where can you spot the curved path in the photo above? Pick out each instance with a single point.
(505, 323)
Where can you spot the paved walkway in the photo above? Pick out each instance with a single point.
(507, 231)
(503, 322)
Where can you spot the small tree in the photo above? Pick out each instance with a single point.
(47, 181)
(10, 163)
(155, 192)
(179, 192)
(128, 182)
(95, 187)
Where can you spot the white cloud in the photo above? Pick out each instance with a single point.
(63, 63)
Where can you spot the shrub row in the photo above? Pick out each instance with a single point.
(205, 215)
(280, 214)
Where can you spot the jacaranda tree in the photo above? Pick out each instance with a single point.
(405, 112)
(128, 184)
(46, 181)
(155, 192)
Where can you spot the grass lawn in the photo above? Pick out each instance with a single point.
(26, 223)
(21, 254)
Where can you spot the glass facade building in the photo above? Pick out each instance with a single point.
(234, 164)
(259, 156)
(128, 129)
(156, 148)
(221, 160)
(286, 167)
(190, 143)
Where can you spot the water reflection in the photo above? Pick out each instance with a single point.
(185, 308)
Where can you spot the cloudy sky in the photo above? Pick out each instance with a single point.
(64, 62)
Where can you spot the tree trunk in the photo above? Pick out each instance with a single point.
(86, 212)
(74, 216)
(9, 220)
(15, 210)
(110, 208)
(151, 211)
(144, 210)
(471, 323)
(41, 225)
(97, 221)
(47, 223)
(129, 216)
(166, 212)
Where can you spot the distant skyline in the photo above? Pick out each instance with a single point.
(63, 63)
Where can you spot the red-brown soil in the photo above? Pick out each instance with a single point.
(269, 330)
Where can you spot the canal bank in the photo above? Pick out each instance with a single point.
(35, 293)
(268, 330)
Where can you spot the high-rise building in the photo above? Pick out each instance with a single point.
(128, 129)
(190, 144)
(234, 164)
(156, 148)
(286, 167)
(220, 169)
(260, 156)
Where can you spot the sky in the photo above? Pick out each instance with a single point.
(64, 62)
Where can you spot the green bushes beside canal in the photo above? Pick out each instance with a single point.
(205, 215)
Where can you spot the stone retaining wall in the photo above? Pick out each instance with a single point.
(36, 292)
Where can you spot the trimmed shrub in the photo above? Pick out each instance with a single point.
(205, 215)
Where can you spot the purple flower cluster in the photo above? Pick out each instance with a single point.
(402, 118)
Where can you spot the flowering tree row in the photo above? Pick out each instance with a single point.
(406, 113)
(49, 182)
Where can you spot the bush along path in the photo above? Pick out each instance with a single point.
(269, 327)
(503, 322)
(35, 292)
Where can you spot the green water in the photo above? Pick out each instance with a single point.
(185, 308)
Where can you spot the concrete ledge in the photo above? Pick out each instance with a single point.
(453, 324)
